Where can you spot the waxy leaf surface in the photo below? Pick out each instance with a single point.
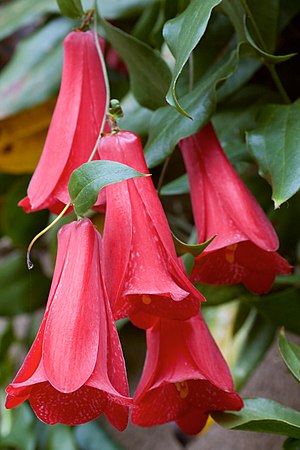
(262, 415)
(86, 182)
(275, 144)
(290, 353)
(182, 34)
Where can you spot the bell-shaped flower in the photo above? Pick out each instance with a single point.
(75, 370)
(143, 275)
(244, 250)
(74, 127)
(185, 377)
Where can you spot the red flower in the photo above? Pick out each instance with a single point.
(75, 369)
(244, 250)
(142, 273)
(74, 127)
(185, 377)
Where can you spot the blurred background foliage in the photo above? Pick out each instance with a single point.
(236, 64)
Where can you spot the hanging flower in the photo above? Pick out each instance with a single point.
(75, 370)
(184, 379)
(143, 275)
(244, 250)
(75, 124)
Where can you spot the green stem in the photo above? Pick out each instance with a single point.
(271, 67)
(277, 82)
(249, 13)
(106, 81)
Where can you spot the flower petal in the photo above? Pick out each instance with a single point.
(72, 329)
(75, 408)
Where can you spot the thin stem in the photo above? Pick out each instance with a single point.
(257, 31)
(278, 83)
(29, 262)
(102, 62)
(271, 67)
(162, 174)
(101, 57)
(191, 72)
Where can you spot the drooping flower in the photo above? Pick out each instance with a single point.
(75, 124)
(75, 370)
(244, 250)
(142, 273)
(185, 377)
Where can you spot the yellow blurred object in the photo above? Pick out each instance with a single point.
(22, 138)
(207, 426)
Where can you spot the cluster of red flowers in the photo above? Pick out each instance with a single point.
(75, 368)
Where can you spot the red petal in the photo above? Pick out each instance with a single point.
(141, 264)
(158, 406)
(193, 421)
(75, 408)
(248, 264)
(228, 206)
(72, 330)
(75, 124)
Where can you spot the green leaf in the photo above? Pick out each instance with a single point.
(91, 437)
(264, 21)
(176, 187)
(262, 415)
(281, 308)
(290, 353)
(61, 436)
(70, 8)
(193, 249)
(182, 34)
(20, 290)
(19, 13)
(217, 295)
(116, 9)
(255, 338)
(275, 144)
(266, 56)
(167, 126)
(86, 181)
(237, 115)
(28, 224)
(149, 74)
(291, 444)
(34, 72)
(19, 427)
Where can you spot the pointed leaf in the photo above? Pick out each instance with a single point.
(70, 8)
(290, 353)
(34, 72)
(86, 182)
(19, 13)
(149, 74)
(264, 416)
(182, 34)
(176, 187)
(276, 146)
(116, 9)
(167, 126)
(256, 337)
(194, 249)
(266, 55)
(264, 21)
